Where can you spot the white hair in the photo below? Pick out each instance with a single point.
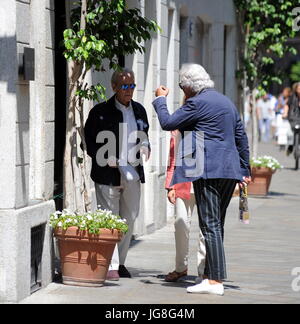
(118, 73)
(194, 77)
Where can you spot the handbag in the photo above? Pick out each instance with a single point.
(244, 215)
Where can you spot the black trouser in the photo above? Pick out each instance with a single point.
(213, 197)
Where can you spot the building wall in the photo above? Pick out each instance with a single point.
(209, 38)
(27, 140)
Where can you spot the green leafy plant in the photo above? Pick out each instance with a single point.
(89, 221)
(265, 162)
(265, 27)
(104, 30)
(295, 72)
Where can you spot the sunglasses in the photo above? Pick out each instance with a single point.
(127, 86)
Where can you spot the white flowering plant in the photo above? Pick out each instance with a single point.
(265, 162)
(90, 221)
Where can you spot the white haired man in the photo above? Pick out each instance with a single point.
(116, 134)
(219, 148)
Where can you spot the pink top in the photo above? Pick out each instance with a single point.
(182, 190)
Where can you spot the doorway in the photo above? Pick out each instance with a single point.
(60, 102)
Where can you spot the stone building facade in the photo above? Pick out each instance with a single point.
(27, 145)
(32, 114)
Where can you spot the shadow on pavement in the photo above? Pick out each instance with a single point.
(291, 169)
(134, 242)
(140, 273)
(272, 195)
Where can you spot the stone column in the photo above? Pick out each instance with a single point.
(8, 76)
(8, 115)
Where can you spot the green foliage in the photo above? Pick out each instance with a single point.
(94, 92)
(295, 72)
(90, 221)
(112, 30)
(266, 27)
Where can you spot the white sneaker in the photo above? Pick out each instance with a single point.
(206, 288)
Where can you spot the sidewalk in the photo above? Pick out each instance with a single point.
(260, 256)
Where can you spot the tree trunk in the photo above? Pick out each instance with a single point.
(85, 162)
(76, 181)
(71, 182)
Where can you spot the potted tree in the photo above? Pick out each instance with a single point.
(86, 243)
(262, 169)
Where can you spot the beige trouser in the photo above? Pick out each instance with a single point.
(184, 211)
(123, 201)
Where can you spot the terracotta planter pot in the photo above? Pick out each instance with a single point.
(261, 179)
(85, 257)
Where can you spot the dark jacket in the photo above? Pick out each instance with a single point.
(104, 118)
(294, 111)
(218, 143)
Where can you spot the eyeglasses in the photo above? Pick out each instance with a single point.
(128, 86)
(180, 85)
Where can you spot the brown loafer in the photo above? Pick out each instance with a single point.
(174, 276)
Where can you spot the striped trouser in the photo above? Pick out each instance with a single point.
(213, 197)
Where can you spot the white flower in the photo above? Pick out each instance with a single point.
(96, 219)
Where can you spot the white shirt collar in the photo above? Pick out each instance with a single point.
(121, 106)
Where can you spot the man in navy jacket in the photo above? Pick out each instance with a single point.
(214, 154)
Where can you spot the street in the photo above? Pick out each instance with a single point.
(263, 258)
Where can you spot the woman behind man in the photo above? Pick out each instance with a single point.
(182, 196)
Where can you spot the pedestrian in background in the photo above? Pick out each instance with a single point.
(265, 110)
(292, 111)
(282, 125)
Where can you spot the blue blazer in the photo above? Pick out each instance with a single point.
(214, 143)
